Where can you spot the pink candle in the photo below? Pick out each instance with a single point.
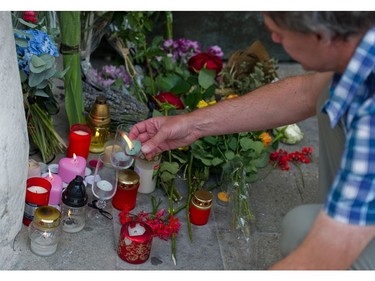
(56, 190)
(69, 168)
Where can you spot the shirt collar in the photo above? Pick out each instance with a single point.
(344, 87)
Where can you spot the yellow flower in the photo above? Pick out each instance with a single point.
(202, 104)
(266, 138)
(231, 96)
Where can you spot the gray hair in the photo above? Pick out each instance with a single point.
(329, 24)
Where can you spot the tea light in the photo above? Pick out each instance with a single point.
(69, 168)
(34, 169)
(133, 147)
(56, 190)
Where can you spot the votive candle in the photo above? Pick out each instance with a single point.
(79, 140)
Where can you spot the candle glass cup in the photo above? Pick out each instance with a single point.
(103, 188)
(45, 231)
(120, 157)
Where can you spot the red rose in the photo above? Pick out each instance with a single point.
(205, 60)
(30, 16)
(170, 98)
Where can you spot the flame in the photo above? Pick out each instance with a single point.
(74, 157)
(97, 134)
(128, 141)
(69, 212)
(49, 173)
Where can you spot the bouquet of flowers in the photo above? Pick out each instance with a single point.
(36, 53)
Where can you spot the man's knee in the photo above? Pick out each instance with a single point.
(295, 226)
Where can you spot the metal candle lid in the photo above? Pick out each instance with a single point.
(75, 193)
(128, 177)
(99, 114)
(46, 217)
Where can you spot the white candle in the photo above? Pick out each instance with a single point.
(37, 189)
(42, 245)
(81, 133)
(104, 185)
(34, 169)
(73, 223)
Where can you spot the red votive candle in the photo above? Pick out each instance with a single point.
(200, 207)
(127, 190)
(79, 140)
(37, 194)
(135, 242)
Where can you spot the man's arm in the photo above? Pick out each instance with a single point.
(329, 245)
(285, 102)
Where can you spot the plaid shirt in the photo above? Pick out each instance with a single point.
(352, 97)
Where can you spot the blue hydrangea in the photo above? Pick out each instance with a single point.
(38, 43)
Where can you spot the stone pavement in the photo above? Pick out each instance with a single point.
(214, 246)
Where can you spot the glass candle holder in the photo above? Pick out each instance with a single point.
(147, 171)
(45, 231)
(99, 121)
(73, 207)
(200, 207)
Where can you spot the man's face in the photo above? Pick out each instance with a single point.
(307, 49)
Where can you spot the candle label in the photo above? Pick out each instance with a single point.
(30, 210)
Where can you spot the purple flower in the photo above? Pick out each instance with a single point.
(215, 50)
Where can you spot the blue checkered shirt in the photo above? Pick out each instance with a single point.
(352, 98)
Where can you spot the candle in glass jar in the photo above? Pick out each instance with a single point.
(74, 220)
(37, 194)
(79, 140)
(34, 169)
(69, 168)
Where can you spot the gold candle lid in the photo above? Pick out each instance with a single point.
(46, 217)
(128, 177)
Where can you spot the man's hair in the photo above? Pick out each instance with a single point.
(329, 24)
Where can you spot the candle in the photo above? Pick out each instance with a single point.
(56, 190)
(135, 242)
(147, 171)
(44, 231)
(69, 168)
(74, 220)
(34, 169)
(125, 197)
(79, 140)
(37, 194)
(103, 187)
(133, 147)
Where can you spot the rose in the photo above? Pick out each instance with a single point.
(205, 60)
(30, 16)
(169, 98)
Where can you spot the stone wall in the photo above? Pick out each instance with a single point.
(14, 144)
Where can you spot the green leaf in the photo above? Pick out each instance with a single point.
(37, 65)
(29, 24)
(211, 140)
(217, 161)
(23, 43)
(206, 78)
(48, 59)
(41, 93)
(229, 155)
(171, 167)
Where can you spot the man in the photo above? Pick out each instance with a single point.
(340, 48)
